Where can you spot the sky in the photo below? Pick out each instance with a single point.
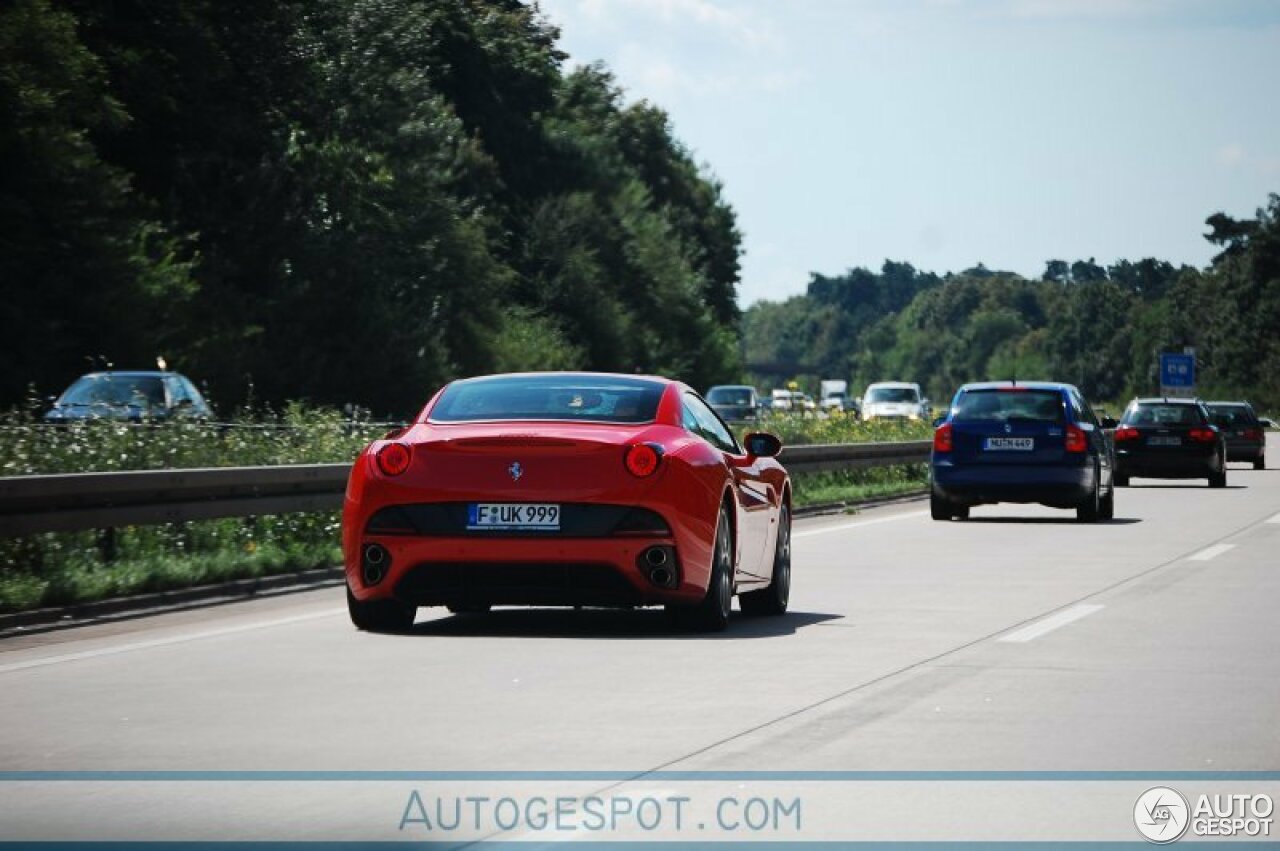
(945, 133)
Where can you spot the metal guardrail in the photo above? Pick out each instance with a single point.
(79, 501)
(853, 456)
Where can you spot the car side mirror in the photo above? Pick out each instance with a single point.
(761, 444)
(1109, 422)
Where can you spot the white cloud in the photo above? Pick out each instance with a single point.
(1094, 9)
(1236, 157)
(1231, 155)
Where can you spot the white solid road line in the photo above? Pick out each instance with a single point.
(1275, 519)
(1051, 623)
(1211, 552)
(844, 527)
(162, 642)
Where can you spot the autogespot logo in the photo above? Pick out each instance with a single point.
(1161, 814)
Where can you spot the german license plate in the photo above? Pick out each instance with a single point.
(1007, 444)
(1162, 440)
(541, 516)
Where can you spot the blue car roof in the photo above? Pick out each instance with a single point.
(1005, 385)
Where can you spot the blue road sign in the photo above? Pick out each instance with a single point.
(1177, 370)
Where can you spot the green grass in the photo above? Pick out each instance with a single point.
(69, 568)
(858, 485)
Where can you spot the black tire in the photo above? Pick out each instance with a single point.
(1091, 509)
(1121, 481)
(380, 615)
(469, 608)
(1218, 480)
(1260, 463)
(712, 614)
(1107, 507)
(940, 508)
(960, 512)
(773, 600)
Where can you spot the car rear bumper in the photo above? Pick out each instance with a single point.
(1245, 450)
(1167, 465)
(440, 571)
(1059, 486)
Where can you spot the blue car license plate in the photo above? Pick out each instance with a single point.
(1009, 444)
(542, 517)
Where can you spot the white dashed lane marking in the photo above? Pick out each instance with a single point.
(1211, 552)
(1049, 624)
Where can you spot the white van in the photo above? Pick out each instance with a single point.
(887, 400)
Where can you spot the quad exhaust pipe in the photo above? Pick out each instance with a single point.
(658, 564)
(375, 561)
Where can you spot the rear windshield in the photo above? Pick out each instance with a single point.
(1163, 413)
(1003, 405)
(893, 394)
(549, 397)
(1231, 415)
(729, 396)
(143, 391)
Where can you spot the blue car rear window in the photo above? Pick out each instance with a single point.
(1003, 405)
(549, 397)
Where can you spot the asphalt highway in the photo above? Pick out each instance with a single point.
(1018, 641)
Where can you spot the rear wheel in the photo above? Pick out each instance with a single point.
(773, 600)
(941, 508)
(1107, 506)
(712, 614)
(1260, 463)
(1091, 509)
(1219, 479)
(380, 615)
(1121, 481)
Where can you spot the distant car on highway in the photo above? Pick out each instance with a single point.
(1167, 438)
(1025, 442)
(130, 396)
(1244, 433)
(734, 402)
(567, 489)
(782, 401)
(890, 400)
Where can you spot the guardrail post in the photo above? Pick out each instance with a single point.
(107, 544)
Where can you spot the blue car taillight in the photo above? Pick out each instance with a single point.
(942, 441)
(1077, 440)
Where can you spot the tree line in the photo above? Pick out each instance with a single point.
(1101, 328)
(342, 201)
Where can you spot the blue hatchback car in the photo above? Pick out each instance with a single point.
(1022, 442)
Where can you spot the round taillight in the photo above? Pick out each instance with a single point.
(393, 459)
(642, 460)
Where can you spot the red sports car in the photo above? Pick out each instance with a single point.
(567, 489)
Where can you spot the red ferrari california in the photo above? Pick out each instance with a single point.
(567, 489)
